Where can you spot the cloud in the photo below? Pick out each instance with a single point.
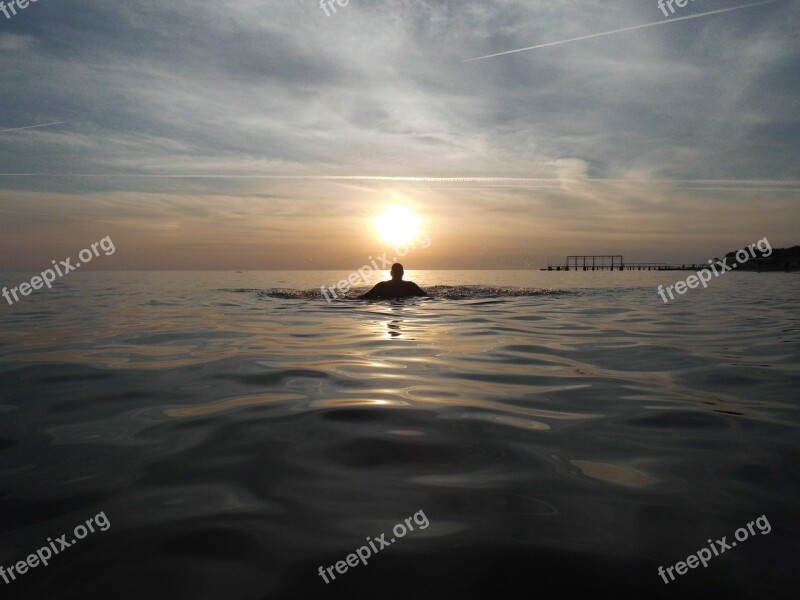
(227, 95)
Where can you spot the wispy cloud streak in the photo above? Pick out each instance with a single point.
(624, 29)
(786, 185)
(32, 127)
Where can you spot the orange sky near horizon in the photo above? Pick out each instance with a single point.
(315, 225)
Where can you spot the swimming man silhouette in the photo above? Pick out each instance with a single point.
(396, 288)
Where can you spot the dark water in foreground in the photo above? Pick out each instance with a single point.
(562, 441)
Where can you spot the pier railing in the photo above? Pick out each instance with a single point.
(615, 262)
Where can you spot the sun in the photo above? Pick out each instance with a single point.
(397, 224)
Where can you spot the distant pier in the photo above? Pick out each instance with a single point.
(615, 262)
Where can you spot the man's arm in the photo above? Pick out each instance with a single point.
(373, 294)
(418, 291)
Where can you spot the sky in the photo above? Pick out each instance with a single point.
(245, 134)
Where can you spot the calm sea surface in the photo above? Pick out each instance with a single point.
(563, 435)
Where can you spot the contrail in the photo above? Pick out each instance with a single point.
(595, 35)
(32, 126)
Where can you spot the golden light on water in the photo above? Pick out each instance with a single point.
(397, 224)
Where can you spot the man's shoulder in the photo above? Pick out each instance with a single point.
(380, 287)
(414, 287)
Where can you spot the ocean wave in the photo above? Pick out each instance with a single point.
(444, 292)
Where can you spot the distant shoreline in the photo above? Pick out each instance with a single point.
(780, 259)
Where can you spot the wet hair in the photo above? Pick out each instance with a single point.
(397, 269)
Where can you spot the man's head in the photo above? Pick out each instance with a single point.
(397, 271)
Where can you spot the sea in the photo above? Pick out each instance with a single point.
(519, 434)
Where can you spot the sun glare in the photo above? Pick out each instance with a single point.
(397, 225)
